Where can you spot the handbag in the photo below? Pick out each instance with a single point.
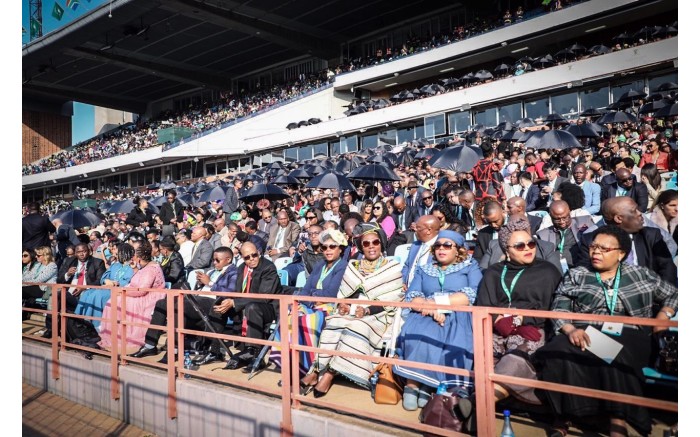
(387, 390)
(441, 411)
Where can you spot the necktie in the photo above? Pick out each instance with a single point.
(194, 248)
(402, 221)
(632, 257)
(279, 237)
(459, 212)
(81, 274)
(247, 280)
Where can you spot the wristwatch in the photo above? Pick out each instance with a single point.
(669, 314)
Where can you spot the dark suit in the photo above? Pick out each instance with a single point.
(651, 252)
(410, 216)
(230, 204)
(258, 312)
(137, 216)
(545, 183)
(166, 212)
(35, 231)
(535, 222)
(533, 201)
(483, 239)
(638, 193)
(174, 269)
(572, 250)
(94, 270)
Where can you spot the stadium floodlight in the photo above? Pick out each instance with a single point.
(54, 181)
(390, 84)
(141, 164)
(596, 28)
(521, 49)
(84, 175)
(112, 170)
(447, 69)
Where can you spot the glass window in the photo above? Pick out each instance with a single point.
(320, 150)
(656, 81)
(210, 169)
(245, 162)
(232, 165)
(348, 144)
(620, 89)
(187, 170)
(537, 108)
(434, 125)
(419, 131)
(510, 113)
(291, 155)
(595, 98)
(566, 105)
(406, 135)
(198, 170)
(369, 141)
(388, 137)
(335, 148)
(157, 175)
(486, 117)
(459, 121)
(305, 152)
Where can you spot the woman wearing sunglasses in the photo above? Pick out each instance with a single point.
(522, 281)
(380, 216)
(356, 328)
(436, 336)
(324, 281)
(609, 287)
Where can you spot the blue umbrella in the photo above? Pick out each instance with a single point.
(286, 180)
(300, 173)
(121, 207)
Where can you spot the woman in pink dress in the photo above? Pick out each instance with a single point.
(139, 304)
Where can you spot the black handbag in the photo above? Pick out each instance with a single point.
(667, 362)
(442, 411)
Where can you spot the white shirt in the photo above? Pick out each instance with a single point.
(421, 258)
(186, 251)
(279, 239)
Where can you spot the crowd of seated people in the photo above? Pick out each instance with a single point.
(543, 233)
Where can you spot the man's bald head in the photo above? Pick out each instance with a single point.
(624, 178)
(515, 205)
(427, 227)
(399, 204)
(466, 199)
(623, 212)
(560, 213)
(349, 225)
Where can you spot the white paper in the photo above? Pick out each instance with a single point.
(442, 299)
(602, 346)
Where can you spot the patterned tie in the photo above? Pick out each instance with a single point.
(632, 257)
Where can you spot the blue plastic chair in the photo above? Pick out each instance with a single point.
(301, 279)
(284, 277)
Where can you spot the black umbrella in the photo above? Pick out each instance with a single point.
(622, 38)
(457, 158)
(188, 199)
(578, 49)
(300, 173)
(591, 112)
(450, 81)
(314, 169)
(617, 117)
(212, 194)
(432, 89)
(79, 218)
(121, 207)
(525, 122)
(526, 60)
(331, 180)
(514, 136)
(654, 106)
(292, 126)
(552, 139)
(543, 62)
(373, 172)
(617, 106)
(667, 86)
(152, 186)
(469, 78)
(555, 118)
(501, 70)
(665, 31)
(314, 120)
(668, 111)
(646, 32)
(505, 125)
(599, 50)
(483, 75)
(344, 166)
(585, 130)
(286, 180)
(565, 55)
(275, 165)
(379, 103)
(302, 123)
(600, 129)
(426, 153)
(632, 95)
(264, 191)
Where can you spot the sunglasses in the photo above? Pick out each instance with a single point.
(521, 245)
(252, 255)
(447, 245)
(622, 181)
(366, 243)
(377, 208)
(309, 217)
(429, 197)
(330, 246)
(24, 255)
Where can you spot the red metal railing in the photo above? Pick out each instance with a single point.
(483, 373)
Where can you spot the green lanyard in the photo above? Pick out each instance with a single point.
(563, 239)
(509, 291)
(324, 273)
(610, 295)
(441, 279)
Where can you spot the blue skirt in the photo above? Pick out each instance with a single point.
(91, 303)
(423, 340)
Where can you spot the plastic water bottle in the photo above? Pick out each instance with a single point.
(373, 384)
(507, 429)
(188, 364)
(441, 389)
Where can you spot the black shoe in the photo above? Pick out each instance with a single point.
(47, 334)
(250, 368)
(144, 352)
(319, 393)
(210, 357)
(241, 359)
(164, 360)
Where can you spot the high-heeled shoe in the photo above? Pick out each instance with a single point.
(318, 393)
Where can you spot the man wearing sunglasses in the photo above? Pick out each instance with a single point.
(255, 275)
(427, 203)
(544, 249)
(626, 186)
(267, 221)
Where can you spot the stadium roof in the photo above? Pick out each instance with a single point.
(127, 53)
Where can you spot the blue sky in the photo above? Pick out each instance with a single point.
(83, 114)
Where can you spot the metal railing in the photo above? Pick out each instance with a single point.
(483, 374)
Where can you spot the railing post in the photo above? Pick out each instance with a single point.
(170, 351)
(286, 428)
(114, 356)
(485, 407)
(294, 317)
(55, 298)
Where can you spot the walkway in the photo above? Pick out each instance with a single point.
(45, 414)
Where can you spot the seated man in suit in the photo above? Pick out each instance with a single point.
(591, 190)
(202, 253)
(427, 228)
(530, 192)
(282, 236)
(516, 205)
(551, 182)
(405, 217)
(494, 217)
(565, 233)
(625, 185)
(648, 249)
(255, 275)
(545, 250)
(222, 278)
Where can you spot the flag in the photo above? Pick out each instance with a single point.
(57, 11)
(34, 28)
(73, 4)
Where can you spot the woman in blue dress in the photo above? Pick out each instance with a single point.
(93, 300)
(434, 337)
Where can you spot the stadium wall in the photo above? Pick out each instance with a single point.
(43, 134)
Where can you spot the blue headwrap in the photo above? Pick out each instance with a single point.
(458, 239)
